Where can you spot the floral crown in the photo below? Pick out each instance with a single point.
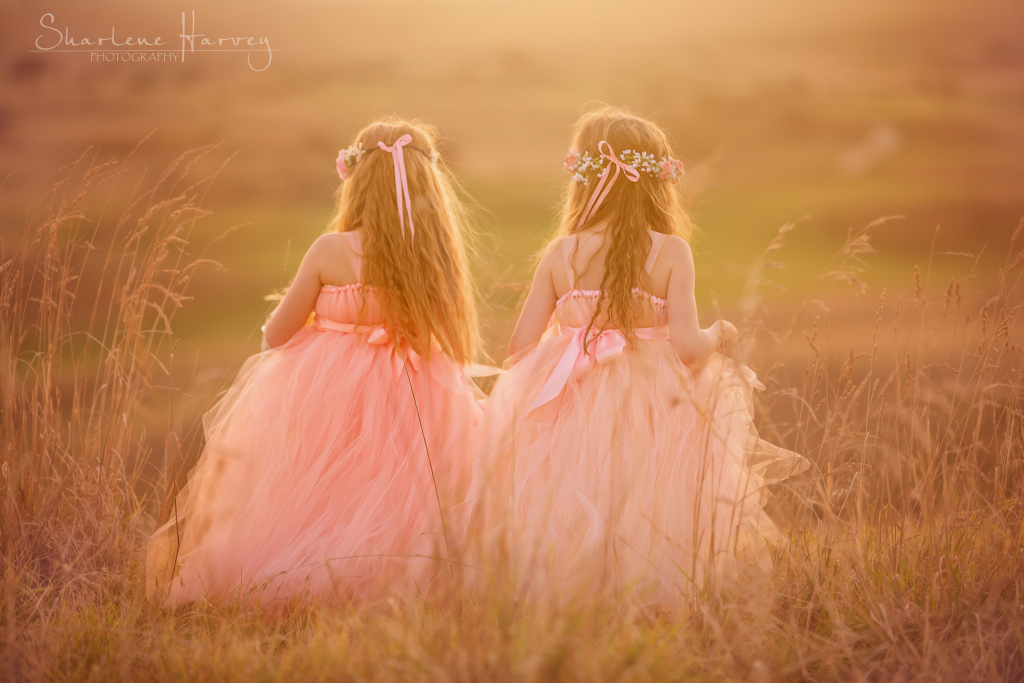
(348, 158)
(666, 168)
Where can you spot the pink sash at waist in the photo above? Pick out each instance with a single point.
(603, 348)
(378, 334)
(373, 334)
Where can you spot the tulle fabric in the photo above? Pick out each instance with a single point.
(642, 476)
(315, 479)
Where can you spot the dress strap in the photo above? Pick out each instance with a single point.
(567, 250)
(354, 242)
(657, 239)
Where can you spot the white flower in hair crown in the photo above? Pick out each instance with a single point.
(665, 168)
(348, 158)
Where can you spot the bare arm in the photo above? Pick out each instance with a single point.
(693, 344)
(293, 312)
(540, 304)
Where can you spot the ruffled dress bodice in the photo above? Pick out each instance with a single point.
(345, 304)
(576, 308)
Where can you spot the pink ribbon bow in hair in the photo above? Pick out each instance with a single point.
(401, 181)
(632, 175)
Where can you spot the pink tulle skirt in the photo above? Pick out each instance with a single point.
(315, 479)
(642, 476)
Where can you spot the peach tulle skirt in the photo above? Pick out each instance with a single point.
(315, 479)
(640, 476)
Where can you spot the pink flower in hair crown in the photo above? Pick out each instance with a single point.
(668, 169)
(348, 158)
(342, 168)
(570, 160)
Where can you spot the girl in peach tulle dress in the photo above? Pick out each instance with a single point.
(331, 462)
(618, 452)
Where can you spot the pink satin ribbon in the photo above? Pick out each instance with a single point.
(598, 196)
(374, 334)
(575, 361)
(401, 181)
(377, 334)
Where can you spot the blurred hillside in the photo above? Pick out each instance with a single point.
(839, 112)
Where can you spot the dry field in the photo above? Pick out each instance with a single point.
(132, 283)
(905, 547)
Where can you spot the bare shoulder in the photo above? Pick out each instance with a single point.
(676, 248)
(329, 244)
(554, 255)
(674, 266)
(676, 254)
(557, 248)
(549, 271)
(329, 254)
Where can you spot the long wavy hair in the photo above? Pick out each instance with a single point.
(422, 284)
(630, 208)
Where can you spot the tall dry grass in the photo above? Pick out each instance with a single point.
(905, 560)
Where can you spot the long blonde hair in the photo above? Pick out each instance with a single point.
(630, 208)
(422, 284)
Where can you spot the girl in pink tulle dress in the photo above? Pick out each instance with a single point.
(618, 452)
(331, 463)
